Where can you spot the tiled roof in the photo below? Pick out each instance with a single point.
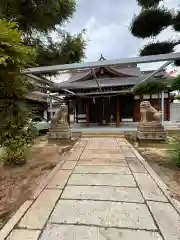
(117, 70)
(105, 82)
(80, 79)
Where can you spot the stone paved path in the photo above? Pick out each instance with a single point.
(103, 191)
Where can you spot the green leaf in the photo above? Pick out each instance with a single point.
(13, 89)
(147, 87)
(148, 3)
(150, 22)
(175, 84)
(157, 48)
(176, 22)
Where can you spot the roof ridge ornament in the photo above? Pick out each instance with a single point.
(102, 58)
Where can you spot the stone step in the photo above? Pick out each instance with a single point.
(102, 134)
(59, 130)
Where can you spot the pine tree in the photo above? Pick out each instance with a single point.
(150, 22)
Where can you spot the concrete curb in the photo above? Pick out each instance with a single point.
(16, 217)
(8, 227)
(167, 192)
(47, 179)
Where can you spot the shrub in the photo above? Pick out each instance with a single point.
(14, 86)
(175, 150)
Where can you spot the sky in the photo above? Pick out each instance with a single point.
(107, 27)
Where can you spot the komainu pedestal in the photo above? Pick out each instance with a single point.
(59, 129)
(150, 126)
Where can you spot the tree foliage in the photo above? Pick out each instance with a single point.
(149, 87)
(38, 19)
(148, 3)
(151, 21)
(37, 15)
(175, 84)
(69, 49)
(14, 115)
(157, 48)
(175, 150)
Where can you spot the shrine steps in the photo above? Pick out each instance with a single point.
(102, 135)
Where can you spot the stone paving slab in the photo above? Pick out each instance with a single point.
(37, 215)
(68, 165)
(74, 156)
(102, 213)
(103, 151)
(72, 232)
(103, 140)
(89, 155)
(76, 150)
(102, 169)
(22, 234)
(60, 179)
(149, 188)
(122, 143)
(102, 162)
(167, 219)
(106, 142)
(107, 193)
(112, 151)
(82, 142)
(101, 147)
(14, 219)
(126, 148)
(136, 166)
(129, 154)
(100, 199)
(102, 179)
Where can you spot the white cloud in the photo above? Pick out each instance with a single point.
(107, 24)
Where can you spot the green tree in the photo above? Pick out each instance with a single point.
(152, 19)
(14, 115)
(148, 87)
(38, 19)
(175, 84)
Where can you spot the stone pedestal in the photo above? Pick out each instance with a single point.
(59, 132)
(151, 131)
(150, 126)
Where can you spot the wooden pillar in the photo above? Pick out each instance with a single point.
(87, 114)
(117, 112)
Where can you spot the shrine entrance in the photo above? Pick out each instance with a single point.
(102, 110)
(126, 103)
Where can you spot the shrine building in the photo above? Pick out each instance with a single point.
(103, 96)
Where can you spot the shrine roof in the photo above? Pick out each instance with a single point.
(120, 75)
(103, 82)
(127, 71)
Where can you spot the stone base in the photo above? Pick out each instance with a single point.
(60, 132)
(151, 131)
(60, 135)
(62, 142)
(151, 135)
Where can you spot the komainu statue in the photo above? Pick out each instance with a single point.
(150, 126)
(59, 129)
(60, 116)
(149, 113)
